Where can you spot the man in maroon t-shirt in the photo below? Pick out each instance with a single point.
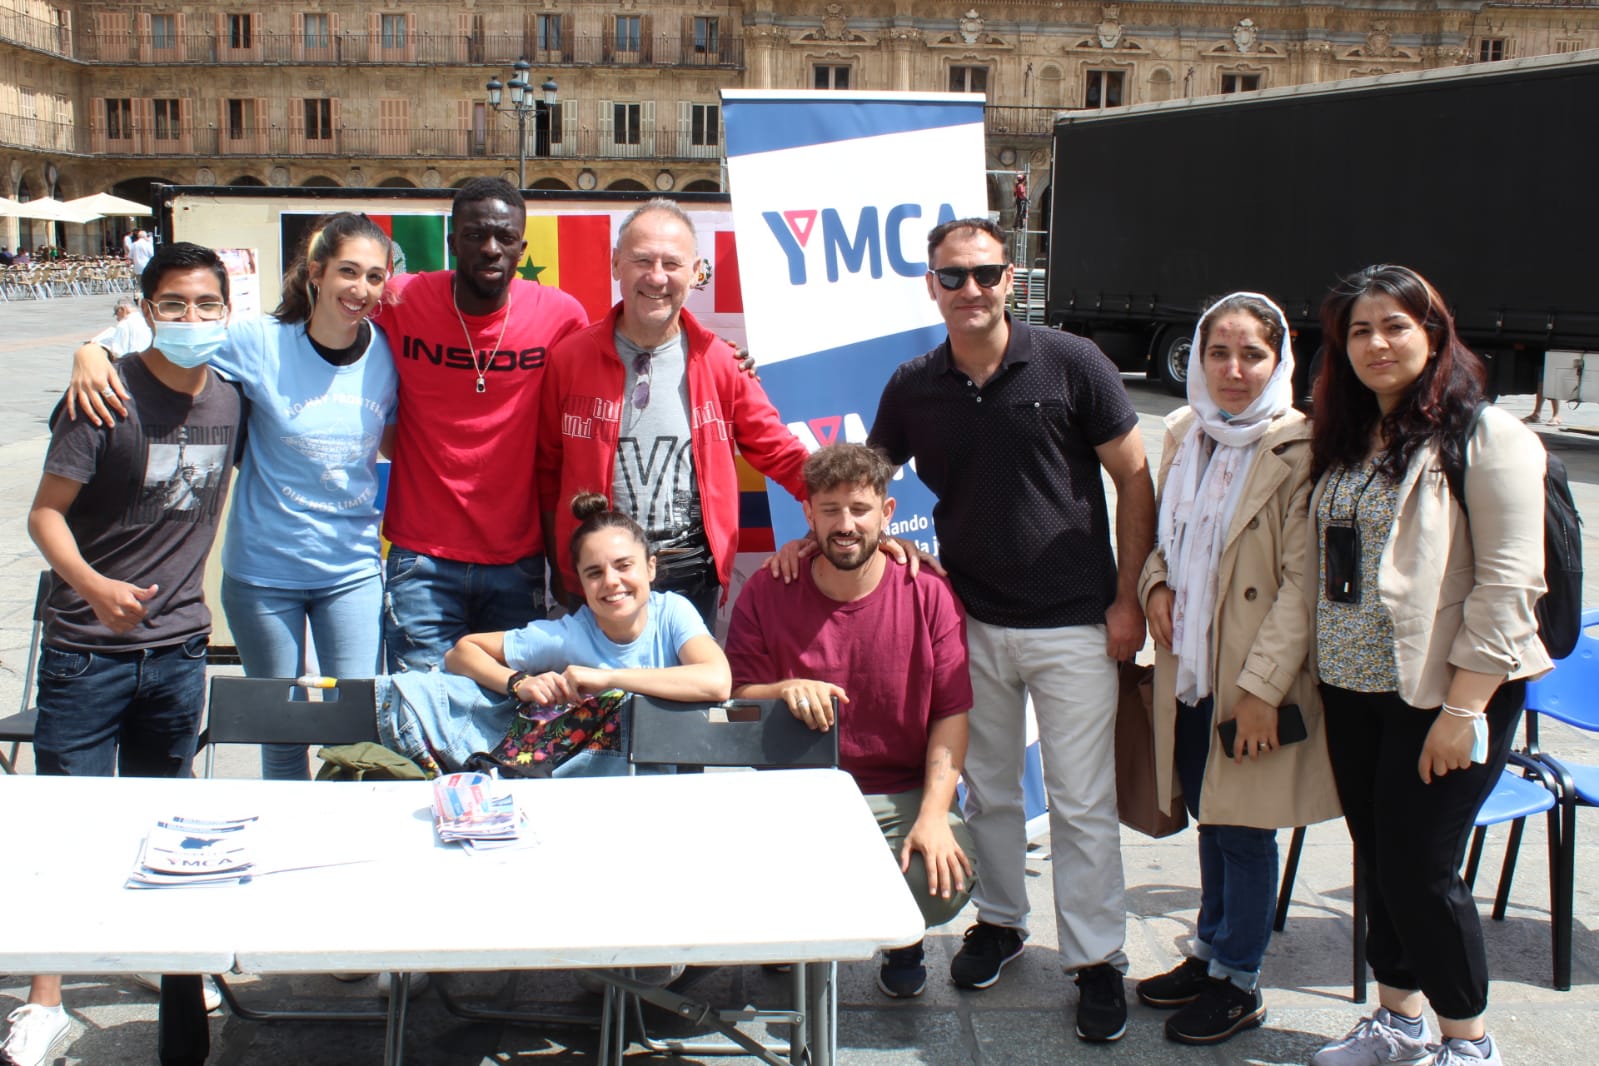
(892, 648)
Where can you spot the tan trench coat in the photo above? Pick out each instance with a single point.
(1260, 635)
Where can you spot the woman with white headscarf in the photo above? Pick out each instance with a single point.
(1226, 601)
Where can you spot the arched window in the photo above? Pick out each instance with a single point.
(1160, 84)
(1050, 91)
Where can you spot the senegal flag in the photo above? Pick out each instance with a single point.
(573, 253)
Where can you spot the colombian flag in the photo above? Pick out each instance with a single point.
(572, 252)
(754, 511)
(419, 240)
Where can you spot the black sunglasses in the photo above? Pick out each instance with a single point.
(988, 275)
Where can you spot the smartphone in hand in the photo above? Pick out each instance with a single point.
(1290, 728)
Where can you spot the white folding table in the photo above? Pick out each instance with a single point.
(700, 869)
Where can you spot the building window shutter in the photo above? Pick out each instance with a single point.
(646, 42)
(647, 127)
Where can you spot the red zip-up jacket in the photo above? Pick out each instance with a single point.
(580, 422)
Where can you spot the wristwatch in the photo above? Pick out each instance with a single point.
(515, 680)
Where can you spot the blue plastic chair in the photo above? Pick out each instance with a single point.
(1568, 695)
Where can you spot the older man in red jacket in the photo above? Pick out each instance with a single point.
(646, 407)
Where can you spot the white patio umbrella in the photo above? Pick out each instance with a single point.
(47, 209)
(104, 203)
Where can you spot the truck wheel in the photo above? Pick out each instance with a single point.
(1171, 358)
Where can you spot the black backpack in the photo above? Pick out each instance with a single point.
(1559, 611)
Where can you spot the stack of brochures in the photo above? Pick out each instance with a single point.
(184, 852)
(474, 810)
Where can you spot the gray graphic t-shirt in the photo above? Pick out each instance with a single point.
(654, 478)
(153, 487)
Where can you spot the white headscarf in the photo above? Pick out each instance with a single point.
(1203, 487)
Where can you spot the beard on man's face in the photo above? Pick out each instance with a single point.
(854, 559)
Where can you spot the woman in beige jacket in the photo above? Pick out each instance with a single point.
(1225, 597)
(1424, 639)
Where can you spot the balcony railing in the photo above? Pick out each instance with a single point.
(30, 32)
(419, 48)
(17, 131)
(1019, 121)
(274, 142)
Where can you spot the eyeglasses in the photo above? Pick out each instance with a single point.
(641, 391)
(988, 275)
(174, 309)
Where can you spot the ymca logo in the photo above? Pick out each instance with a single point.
(817, 433)
(852, 247)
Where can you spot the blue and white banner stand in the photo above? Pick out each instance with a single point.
(833, 195)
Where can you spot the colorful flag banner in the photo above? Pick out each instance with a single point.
(572, 252)
(418, 241)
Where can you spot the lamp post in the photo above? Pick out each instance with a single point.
(522, 105)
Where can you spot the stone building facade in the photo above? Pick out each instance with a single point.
(112, 94)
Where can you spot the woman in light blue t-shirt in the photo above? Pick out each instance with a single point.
(302, 545)
(624, 636)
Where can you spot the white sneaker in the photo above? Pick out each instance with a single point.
(37, 1035)
(419, 984)
(1465, 1053)
(1375, 1042)
(208, 988)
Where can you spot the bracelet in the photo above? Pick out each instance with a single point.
(1461, 712)
(515, 679)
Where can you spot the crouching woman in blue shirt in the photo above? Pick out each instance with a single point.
(623, 637)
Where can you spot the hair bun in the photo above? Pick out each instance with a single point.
(587, 504)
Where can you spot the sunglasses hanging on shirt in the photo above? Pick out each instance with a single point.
(641, 391)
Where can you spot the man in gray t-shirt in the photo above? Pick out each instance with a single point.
(654, 475)
(125, 514)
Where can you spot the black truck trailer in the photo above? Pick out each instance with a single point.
(1484, 178)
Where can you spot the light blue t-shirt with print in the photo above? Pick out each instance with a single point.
(305, 499)
(576, 640)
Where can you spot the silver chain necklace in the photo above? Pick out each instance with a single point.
(483, 367)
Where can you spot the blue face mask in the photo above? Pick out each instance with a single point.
(190, 344)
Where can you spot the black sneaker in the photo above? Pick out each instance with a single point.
(1174, 988)
(1101, 1004)
(1221, 1010)
(986, 951)
(902, 974)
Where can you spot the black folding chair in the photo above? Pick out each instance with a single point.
(17, 729)
(266, 710)
(763, 734)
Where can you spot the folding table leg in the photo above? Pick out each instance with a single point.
(394, 1035)
(613, 1026)
(821, 1010)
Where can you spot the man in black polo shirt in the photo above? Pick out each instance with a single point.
(1010, 427)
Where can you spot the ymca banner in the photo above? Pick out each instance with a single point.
(833, 196)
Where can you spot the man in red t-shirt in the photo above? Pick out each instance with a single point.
(892, 648)
(471, 346)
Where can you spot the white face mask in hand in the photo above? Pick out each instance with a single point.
(190, 344)
(1479, 742)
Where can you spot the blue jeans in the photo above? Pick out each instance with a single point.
(1237, 868)
(133, 713)
(269, 627)
(431, 603)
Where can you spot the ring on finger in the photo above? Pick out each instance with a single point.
(803, 703)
